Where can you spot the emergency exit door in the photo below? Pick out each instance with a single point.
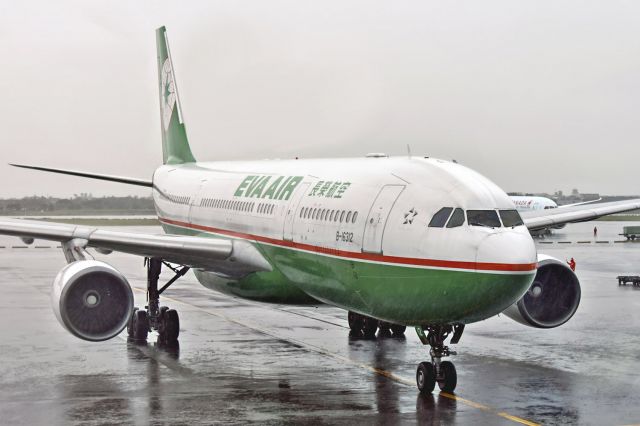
(377, 218)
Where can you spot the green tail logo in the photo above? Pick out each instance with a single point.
(168, 101)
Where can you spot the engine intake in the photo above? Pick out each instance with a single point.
(551, 300)
(92, 300)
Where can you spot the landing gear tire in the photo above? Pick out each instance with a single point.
(398, 330)
(130, 328)
(139, 326)
(369, 328)
(384, 329)
(448, 377)
(169, 327)
(355, 321)
(426, 377)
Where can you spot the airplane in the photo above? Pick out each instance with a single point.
(526, 203)
(533, 202)
(395, 241)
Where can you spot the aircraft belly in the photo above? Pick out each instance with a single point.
(269, 287)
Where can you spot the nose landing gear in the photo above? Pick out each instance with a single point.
(155, 318)
(438, 371)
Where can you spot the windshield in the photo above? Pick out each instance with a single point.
(510, 218)
(488, 218)
(457, 219)
(440, 218)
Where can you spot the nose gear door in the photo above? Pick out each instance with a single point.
(377, 218)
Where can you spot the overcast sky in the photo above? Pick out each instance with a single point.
(538, 95)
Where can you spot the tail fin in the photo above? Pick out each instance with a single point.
(175, 145)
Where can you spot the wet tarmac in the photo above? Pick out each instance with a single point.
(243, 362)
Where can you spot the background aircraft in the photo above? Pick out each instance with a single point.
(397, 242)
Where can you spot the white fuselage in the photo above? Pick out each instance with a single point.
(421, 185)
(373, 210)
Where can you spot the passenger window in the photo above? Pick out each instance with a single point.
(331, 215)
(440, 218)
(341, 215)
(511, 218)
(348, 217)
(488, 218)
(353, 219)
(457, 219)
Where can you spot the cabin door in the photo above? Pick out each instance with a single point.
(377, 218)
(292, 208)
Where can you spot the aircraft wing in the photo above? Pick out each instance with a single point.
(233, 258)
(540, 219)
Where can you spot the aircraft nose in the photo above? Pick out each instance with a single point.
(507, 248)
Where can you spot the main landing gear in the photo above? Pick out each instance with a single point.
(154, 317)
(442, 372)
(364, 326)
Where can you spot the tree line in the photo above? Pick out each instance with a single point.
(77, 204)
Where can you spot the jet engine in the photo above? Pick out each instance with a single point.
(551, 300)
(92, 300)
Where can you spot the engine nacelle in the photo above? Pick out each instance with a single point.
(552, 299)
(92, 300)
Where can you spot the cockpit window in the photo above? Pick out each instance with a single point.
(457, 219)
(510, 218)
(440, 218)
(487, 218)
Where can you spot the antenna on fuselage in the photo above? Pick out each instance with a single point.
(408, 150)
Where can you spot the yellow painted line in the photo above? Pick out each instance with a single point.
(379, 371)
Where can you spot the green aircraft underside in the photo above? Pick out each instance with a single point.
(401, 294)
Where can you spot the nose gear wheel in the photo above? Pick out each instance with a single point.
(437, 371)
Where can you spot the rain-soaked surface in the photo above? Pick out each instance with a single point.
(241, 362)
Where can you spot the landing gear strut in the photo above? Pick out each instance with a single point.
(438, 371)
(154, 317)
(364, 326)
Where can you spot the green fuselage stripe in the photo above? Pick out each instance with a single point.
(397, 293)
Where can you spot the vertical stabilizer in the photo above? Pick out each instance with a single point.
(175, 145)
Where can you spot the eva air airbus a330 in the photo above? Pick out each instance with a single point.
(396, 242)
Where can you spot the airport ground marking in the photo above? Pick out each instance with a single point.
(375, 370)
